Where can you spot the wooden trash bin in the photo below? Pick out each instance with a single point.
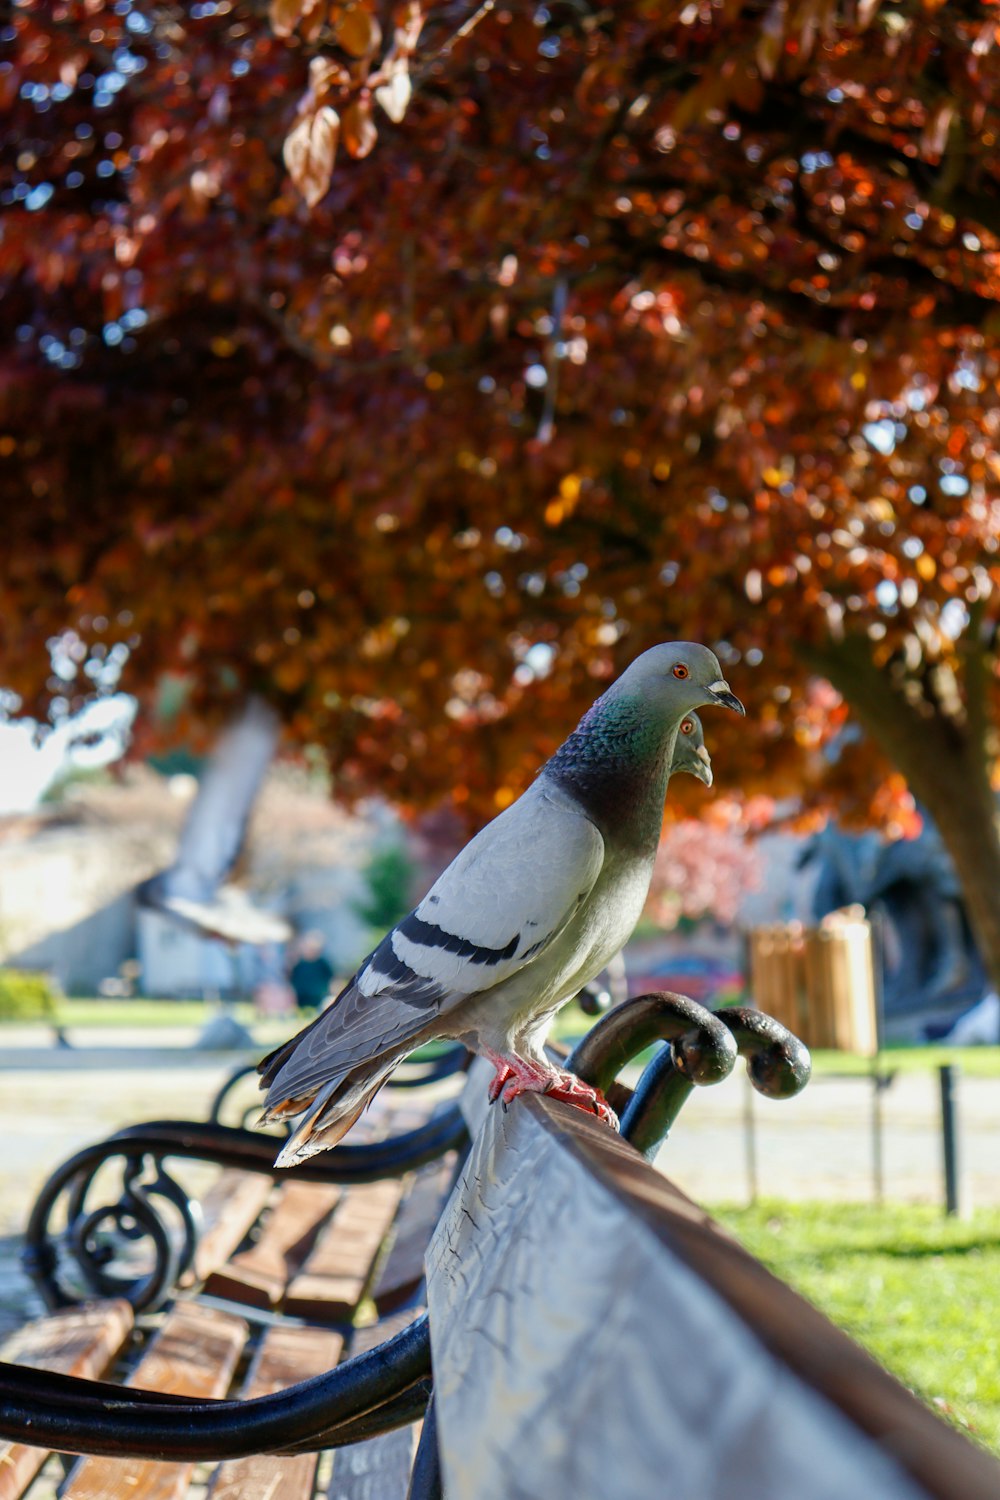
(819, 981)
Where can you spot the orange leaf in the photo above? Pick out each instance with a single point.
(284, 15)
(312, 22)
(310, 152)
(360, 134)
(358, 32)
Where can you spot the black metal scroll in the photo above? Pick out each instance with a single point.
(134, 1240)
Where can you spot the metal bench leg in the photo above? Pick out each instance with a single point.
(425, 1479)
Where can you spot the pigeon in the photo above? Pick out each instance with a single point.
(690, 751)
(530, 910)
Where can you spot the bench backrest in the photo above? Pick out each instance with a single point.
(595, 1335)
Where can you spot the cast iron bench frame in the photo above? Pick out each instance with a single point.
(390, 1385)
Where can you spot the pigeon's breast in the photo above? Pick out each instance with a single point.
(610, 913)
(598, 931)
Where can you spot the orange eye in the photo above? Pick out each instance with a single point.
(687, 726)
(680, 670)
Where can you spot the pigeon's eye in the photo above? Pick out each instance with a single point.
(687, 726)
(680, 670)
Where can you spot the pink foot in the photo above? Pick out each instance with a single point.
(497, 1084)
(517, 1075)
(572, 1090)
(508, 1069)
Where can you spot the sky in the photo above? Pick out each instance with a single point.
(91, 739)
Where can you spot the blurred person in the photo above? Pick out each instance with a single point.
(312, 973)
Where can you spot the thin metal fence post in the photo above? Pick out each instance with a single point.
(879, 1083)
(878, 1156)
(750, 1142)
(949, 1074)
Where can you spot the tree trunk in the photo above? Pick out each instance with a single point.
(946, 765)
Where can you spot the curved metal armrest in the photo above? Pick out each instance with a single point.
(140, 1211)
(703, 1048)
(252, 1151)
(375, 1392)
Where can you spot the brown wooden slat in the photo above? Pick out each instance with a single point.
(378, 1469)
(403, 1268)
(286, 1355)
(81, 1341)
(258, 1276)
(334, 1278)
(194, 1354)
(229, 1208)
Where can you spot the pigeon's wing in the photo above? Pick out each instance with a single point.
(497, 907)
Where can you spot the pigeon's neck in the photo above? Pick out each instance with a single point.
(616, 763)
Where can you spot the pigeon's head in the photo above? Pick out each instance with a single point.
(683, 676)
(690, 753)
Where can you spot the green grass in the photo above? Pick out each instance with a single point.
(978, 1062)
(920, 1292)
(91, 1017)
(139, 1012)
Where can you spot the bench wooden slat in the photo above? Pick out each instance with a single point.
(81, 1341)
(403, 1268)
(334, 1278)
(193, 1354)
(378, 1469)
(229, 1208)
(285, 1356)
(258, 1276)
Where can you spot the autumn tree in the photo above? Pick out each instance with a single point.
(417, 365)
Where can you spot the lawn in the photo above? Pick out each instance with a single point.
(978, 1062)
(921, 1292)
(139, 1012)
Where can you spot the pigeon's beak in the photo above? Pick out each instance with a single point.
(721, 693)
(705, 774)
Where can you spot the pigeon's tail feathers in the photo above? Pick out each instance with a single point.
(270, 1066)
(332, 1112)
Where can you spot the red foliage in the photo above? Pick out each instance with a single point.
(589, 328)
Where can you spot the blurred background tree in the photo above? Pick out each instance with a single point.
(415, 366)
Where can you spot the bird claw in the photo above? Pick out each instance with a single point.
(558, 1084)
(573, 1090)
(503, 1074)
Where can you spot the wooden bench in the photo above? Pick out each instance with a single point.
(594, 1334)
(283, 1279)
